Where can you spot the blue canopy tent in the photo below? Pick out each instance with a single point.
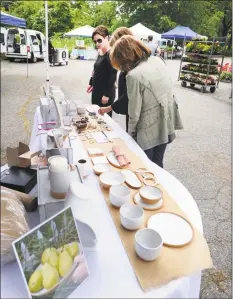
(8, 20)
(180, 32)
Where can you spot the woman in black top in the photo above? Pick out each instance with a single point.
(102, 82)
(120, 106)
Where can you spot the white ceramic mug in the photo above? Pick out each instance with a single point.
(84, 167)
(119, 195)
(148, 244)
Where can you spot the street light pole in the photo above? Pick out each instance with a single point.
(47, 46)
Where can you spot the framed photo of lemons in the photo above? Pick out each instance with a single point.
(51, 257)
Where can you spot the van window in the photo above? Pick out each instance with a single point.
(23, 40)
(34, 40)
(2, 38)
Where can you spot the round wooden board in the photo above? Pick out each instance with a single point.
(165, 224)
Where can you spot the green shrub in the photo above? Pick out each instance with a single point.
(226, 76)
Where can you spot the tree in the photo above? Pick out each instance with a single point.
(26, 10)
(59, 15)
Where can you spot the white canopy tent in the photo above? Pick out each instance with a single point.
(84, 31)
(140, 31)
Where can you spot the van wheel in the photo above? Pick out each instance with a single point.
(66, 62)
(11, 59)
(33, 59)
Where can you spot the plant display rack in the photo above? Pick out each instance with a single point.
(199, 66)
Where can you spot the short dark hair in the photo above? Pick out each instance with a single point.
(101, 30)
(150, 38)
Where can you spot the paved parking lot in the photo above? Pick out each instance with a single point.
(200, 157)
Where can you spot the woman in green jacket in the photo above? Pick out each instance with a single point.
(153, 111)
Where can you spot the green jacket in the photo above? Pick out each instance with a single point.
(153, 111)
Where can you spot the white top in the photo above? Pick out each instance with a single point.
(111, 274)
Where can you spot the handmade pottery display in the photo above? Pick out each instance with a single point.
(151, 207)
(58, 131)
(132, 216)
(111, 178)
(148, 244)
(81, 109)
(174, 229)
(95, 151)
(101, 168)
(119, 195)
(84, 167)
(113, 160)
(150, 194)
(131, 179)
(81, 124)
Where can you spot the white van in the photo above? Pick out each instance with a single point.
(3, 40)
(23, 43)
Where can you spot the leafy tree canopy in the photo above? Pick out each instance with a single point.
(209, 17)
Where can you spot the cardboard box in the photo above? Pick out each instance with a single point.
(20, 156)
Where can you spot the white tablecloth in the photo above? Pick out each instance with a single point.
(111, 274)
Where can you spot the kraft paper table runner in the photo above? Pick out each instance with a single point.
(173, 263)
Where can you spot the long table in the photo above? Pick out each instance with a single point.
(111, 274)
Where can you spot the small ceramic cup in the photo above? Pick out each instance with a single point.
(84, 167)
(132, 216)
(148, 244)
(119, 195)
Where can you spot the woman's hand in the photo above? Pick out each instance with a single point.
(89, 88)
(104, 100)
(103, 110)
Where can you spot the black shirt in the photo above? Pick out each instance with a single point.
(103, 79)
(120, 106)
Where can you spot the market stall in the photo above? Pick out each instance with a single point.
(80, 50)
(113, 256)
(9, 20)
(179, 32)
(142, 32)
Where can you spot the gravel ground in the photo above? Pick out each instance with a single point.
(200, 157)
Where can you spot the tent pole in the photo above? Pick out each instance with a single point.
(172, 47)
(47, 46)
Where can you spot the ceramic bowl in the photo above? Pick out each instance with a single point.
(119, 195)
(132, 216)
(58, 131)
(150, 194)
(81, 110)
(148, 244)
(111, 178)
(101, 168)
(81, 124)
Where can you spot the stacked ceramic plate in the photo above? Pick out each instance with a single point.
(149, 198)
